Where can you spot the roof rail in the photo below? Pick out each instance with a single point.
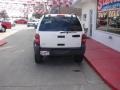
(44, 15)
(47, 15)
(72, 15)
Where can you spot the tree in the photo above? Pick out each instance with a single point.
(3, 14)
(37, 15)
(58, 4)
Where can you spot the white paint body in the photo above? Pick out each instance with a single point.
(49, 39)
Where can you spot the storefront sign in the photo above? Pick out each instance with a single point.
(108, 4)
(110, 13)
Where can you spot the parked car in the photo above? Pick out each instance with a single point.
(59, 35)
(2, 28)
(32, 23)
(7, 25)
(21, 21)
(10, 20)
(4, 24)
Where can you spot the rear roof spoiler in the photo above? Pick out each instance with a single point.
(49, 15)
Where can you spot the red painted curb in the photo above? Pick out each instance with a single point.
(109, 84)
(2, 42)
(105, 61)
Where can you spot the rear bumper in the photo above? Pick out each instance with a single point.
(61, 51)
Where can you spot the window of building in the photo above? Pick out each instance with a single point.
(108, 16)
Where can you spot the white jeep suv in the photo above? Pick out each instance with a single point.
(59, 34)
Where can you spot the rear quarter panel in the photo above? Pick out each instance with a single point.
(7, 25)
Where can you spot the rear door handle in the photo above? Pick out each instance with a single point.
(75, 35)
(61, 36)
(60, 44)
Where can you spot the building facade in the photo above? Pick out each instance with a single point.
(102, 18)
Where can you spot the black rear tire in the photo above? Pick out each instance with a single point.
(3, 29)
(38, 59)
(78, 58)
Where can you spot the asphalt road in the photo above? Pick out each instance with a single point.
(18, 70)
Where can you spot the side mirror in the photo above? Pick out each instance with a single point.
(35, 26)
(86, 30)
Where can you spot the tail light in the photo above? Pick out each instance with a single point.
(37, 39)
(84, 37)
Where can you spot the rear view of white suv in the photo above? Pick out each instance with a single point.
(59, 34)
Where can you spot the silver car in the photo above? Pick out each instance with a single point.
(2, 29)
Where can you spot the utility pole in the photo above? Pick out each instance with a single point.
(59, 6)
(46, 5)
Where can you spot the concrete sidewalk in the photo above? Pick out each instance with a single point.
(10, 32)
(105, 61)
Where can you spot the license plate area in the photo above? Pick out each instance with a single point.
(44, 53)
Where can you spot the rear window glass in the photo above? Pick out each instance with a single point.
(59, 23)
